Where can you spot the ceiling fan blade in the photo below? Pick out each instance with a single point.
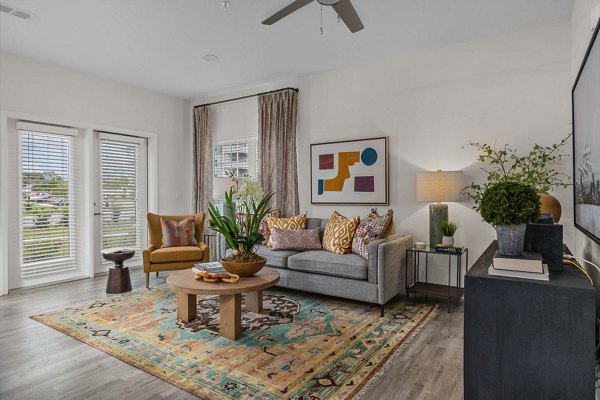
(285, 11)
(348, 14)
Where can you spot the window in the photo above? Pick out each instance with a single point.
(48, 211)
(238, 157)
(124, 194)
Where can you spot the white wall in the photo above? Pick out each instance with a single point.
(509, 89)
(38, 88)
(581, 32)
(54, 94)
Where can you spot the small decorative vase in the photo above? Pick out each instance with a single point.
(511, 239)
(243, 269)
(448, 241)
(550, 205)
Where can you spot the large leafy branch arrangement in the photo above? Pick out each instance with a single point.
(534, 169)
(241, 232)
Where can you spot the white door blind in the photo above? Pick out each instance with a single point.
(124, 193)
(49, 238)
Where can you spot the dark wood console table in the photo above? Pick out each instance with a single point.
(528, 339)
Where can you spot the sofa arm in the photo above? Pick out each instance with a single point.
(146, 257)
(374, 256)
(386, 267)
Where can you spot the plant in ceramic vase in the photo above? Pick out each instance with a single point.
(241, 234)
(537, 169)
(509, 206)
(449, 229)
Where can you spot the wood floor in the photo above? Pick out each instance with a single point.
(37, 362)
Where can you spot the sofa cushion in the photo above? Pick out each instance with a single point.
(339, 233)
(296, 222)
(264, 225)
(373, 227)
(312, 223)
(176, 254)
(295, 239)
(275, 258)
(178, 233)
(325, 263)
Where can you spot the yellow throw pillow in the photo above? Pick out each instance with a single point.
(339, 233)
(297, 222)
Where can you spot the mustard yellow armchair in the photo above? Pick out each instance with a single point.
(172, 258)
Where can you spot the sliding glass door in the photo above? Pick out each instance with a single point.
(70, 193)
(123, 197)
(48, 205)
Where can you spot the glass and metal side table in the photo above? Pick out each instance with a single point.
(209, 237)
(451, 292)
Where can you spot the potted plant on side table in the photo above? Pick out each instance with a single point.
(449, 229)
(241, 234)
(509, 206)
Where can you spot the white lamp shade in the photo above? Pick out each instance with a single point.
(437, 186)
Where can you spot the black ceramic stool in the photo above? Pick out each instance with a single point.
(118, 277)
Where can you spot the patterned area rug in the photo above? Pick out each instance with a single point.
(302, 346)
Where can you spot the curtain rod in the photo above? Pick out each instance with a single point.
(246, 97)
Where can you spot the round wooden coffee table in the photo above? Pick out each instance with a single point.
(230, 297)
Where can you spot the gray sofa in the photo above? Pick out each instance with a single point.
(350, 276)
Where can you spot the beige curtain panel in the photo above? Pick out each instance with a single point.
(203, 166)
(277, 148)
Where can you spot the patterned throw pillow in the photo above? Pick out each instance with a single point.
(297, 222)
(295, 239)
(338, 233)
(373, 227)
(175, 234)
(264, 226)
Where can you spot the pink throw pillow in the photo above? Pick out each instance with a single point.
(264, 225)
(295, 239)
(175, 234)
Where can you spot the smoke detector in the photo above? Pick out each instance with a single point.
(15, 12)
(211, 57)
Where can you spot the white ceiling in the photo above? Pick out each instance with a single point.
(160, 44)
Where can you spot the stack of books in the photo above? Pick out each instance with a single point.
(210, 267)
(527, 266)
(456, 249)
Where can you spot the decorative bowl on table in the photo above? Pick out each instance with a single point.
(243, 269)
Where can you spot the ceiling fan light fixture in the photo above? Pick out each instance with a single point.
(343, 8)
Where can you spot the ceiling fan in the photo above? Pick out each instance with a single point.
(343, 8)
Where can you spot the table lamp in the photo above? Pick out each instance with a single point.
(435, 187)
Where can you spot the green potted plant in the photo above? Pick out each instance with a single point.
(241, 232)
(537, 169)
(509, 206)
(449, 228)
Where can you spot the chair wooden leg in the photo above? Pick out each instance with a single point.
(147, 280)
(156, 273)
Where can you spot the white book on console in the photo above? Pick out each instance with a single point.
(528, 262)
(544, 276)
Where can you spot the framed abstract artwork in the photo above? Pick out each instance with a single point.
(586, 142)
(350, 172)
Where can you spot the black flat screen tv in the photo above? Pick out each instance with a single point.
(586, 142)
